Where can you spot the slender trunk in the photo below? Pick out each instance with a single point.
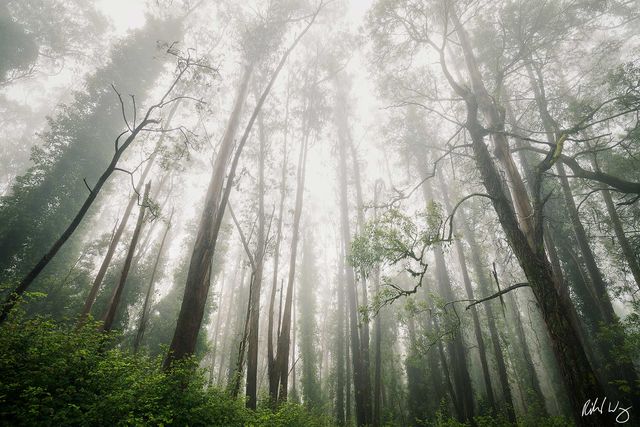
(476, 320)
(102, 271)
(216, 330)
(455, 401)
(377, 387)
(294, 391)
(272, 371)
(596, 280)
(254, 327)
(147, 300)
(347, 363)
(110, 314)
(340, 351)
(364, 323)
(486, 288)
(238, 372)
(282, 357)
(455, 347)
(532, 379)
(360, 376)
(14, 297)
(228, 330)
(627, 250)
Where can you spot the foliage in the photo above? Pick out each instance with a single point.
(41, 33)
(52, 374)
(77, 145)
(395, 239)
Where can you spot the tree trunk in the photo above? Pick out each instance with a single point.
(340, 351)
(360, 377)
(13, 298)
(254, 322)
(627, 250)
(102, 271)
(110, 314)
(215, 338)
(485, 288)
(197, 286)
(282, 356)
(619, 371)
(364, 323)
(476, 321)
(147, 300)
(272, 371)
(527, 245)
(377, 386)
(238, 372)
(455, 347)
(575, 368)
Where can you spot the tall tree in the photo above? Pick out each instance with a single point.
(132, 132)
(33, 215)
(307, 307)
(114, 302)
(361, 379)
(144, 313)
(197, 284)
(284, 337)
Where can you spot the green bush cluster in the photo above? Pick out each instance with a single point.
(53, 374)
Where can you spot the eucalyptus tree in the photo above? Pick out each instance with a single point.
(134, 128)
(430, 28)
(307, 307)
(361, 375)
(43, 34)
(267, 35)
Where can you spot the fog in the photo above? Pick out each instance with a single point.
(301, 212)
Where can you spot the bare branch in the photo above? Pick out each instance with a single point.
(498, 294)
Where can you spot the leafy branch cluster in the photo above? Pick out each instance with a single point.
(397, 243)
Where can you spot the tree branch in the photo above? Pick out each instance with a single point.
(498, 294)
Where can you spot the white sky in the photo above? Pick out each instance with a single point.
(123, 14)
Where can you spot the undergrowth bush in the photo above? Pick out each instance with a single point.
(53, 374)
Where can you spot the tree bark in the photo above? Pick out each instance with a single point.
(256, 284)
(282, 356)
(476, 320)
(197, 286)
(272, 371)
(627, 250)
(485, 288)
(147, 300)
(110, 314)
(13, 298)
(340, 334)
(360, 377)
(455, 347)
(364, 323)
(102, 271)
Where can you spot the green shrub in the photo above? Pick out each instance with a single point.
(52, 374)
